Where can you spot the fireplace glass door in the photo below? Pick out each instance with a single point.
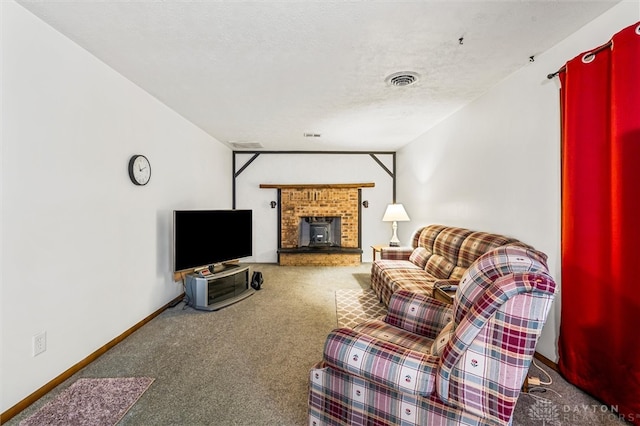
(319, 231)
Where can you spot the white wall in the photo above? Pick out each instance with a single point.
(495, 164)
(307, 169)
(85, 253)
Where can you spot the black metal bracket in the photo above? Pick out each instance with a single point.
(256, 154)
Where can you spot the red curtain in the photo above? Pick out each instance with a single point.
(599, 342)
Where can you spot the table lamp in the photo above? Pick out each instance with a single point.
(395, 213)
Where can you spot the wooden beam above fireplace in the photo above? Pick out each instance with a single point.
(317, 185)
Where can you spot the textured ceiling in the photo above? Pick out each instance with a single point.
(267, 72)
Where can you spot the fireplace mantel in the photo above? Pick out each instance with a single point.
(317, 185)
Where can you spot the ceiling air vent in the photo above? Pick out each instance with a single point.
(246, 145)
(403, 78)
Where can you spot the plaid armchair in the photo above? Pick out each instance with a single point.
(429, 363)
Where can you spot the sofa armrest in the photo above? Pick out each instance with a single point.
(396, 253)
(382, 362)
(418, 313)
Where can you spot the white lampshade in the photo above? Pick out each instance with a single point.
(395, 213)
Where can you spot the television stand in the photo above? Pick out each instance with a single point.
(219, 289)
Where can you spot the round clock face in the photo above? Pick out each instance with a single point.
(139, 170)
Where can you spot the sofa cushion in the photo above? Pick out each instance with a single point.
(386, 332)
(381, 284)
(449, 241)
(439, 267)
(380, 266)
(477, 244)
(419, 257)
(443, 338)
(390, 280)
(385, 364)
(445, 252)
(426, 237)
(416, 286)
(457, 273)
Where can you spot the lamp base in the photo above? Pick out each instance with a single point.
(395, 242)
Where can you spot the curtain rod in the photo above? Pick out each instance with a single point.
(594, 52)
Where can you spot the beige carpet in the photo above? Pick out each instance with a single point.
(248, 364)
(356, 306)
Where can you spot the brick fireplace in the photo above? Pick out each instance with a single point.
(324, 204)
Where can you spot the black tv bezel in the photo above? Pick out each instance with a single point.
(214, 259)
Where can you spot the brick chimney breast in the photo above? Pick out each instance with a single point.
(320, 200)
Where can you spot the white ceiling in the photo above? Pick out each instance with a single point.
(267, 72)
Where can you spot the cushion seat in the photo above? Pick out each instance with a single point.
(386, 332)
(401, 279)
(396, 264)
(387, 281)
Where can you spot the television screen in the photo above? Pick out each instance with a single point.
(205, 237)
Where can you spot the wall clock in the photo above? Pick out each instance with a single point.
(139, 169)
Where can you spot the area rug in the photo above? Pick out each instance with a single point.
(95, 402)
(356, 306)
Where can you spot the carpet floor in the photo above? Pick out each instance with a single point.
(248, 363)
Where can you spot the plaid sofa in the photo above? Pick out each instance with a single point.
(438, 255)
(430, 363)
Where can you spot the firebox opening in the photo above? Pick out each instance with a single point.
(319, 231)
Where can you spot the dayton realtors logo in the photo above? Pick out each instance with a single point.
(545, 411)
(549, 413)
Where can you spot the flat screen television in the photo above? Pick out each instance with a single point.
(207, 237)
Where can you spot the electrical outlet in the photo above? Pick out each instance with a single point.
(39, 343)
